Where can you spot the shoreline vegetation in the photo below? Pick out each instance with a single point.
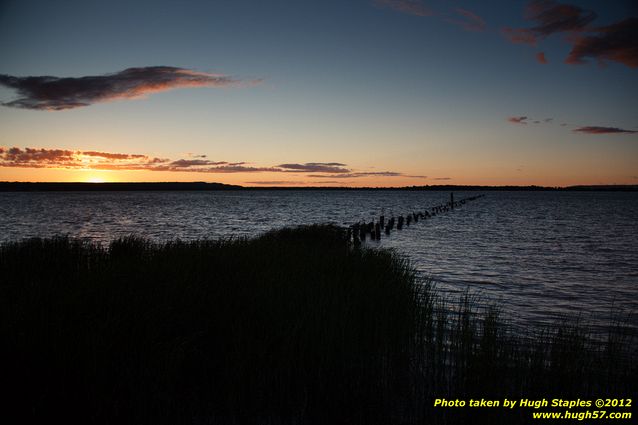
(204, 186)
(296, 326)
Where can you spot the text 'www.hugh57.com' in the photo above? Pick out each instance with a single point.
(556, 408)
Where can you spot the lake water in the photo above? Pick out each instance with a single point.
(539, 254)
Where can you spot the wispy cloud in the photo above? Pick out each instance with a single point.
(517, 120)
(295, 182)
(59, 93)
(519, 35)
(316, 167)
(470, 22)
(583, 129)
(442, 178)
(367, 174)
(93, 160)
(540, 58)
(412, 7)
(109, 155)
(550, 17)
(277, 182)
(617, 42)
(70, 159)
(187, 163)
(603, 130)
(193, 155)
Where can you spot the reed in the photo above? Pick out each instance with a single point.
(297, 326)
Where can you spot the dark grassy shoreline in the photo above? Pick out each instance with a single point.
(297, 326)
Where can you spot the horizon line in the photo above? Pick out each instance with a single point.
(192, 185)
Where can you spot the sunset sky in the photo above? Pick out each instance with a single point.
(320, 93)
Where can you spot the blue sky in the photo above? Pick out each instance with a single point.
(396, 87)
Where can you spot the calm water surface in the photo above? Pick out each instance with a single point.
(540, 254)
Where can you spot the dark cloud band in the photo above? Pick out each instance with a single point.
(617, 42)
(78, 160)
(55, 93)
(603, 130)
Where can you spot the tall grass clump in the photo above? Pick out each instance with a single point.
(297, 326)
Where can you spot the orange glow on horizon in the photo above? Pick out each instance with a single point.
(466, 177)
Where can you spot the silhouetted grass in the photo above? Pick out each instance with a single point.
(294, 327)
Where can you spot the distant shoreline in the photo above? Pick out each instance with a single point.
(202, 186)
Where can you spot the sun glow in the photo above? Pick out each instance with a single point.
(94, 179)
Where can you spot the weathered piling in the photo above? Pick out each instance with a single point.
(359, 231)
(355, 232)
(362, 232)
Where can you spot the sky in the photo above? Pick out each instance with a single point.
(320, 93)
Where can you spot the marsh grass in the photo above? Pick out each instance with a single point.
(295, 326)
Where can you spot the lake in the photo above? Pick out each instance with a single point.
(540, 255)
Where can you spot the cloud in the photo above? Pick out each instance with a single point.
(221, 169)
(70, 159)
(603, 130)
(411, 7)
(520, 35)
(550, 18)
(472, 21)
(277, 182)
(540, 58)
(442, 178)
(112, 155)
(294, 182)
(55, 93)
(517, 120)
(366, 174)
(316, 167)
(187, 163)
(93, 160)
(617, 42)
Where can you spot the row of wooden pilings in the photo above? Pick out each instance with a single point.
(360, 231)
